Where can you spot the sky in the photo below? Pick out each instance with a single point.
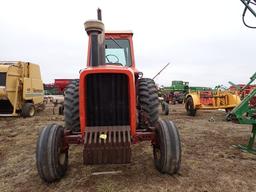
(205, 42)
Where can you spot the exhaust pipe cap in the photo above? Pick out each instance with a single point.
(94, 26)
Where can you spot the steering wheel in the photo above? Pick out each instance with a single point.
(111, 55)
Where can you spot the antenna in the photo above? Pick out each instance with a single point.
(161, 70)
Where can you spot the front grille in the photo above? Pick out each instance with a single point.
(107, 100)
(2, 79)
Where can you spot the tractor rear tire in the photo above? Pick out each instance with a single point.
(189, 105)
(165, 108)
(167, 147)
(51, 153)
(28, 110)
(148, 103)
(71, 107)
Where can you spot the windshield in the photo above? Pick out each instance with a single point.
(117, 51)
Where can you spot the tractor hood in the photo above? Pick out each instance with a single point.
(103, 81)
(109, 69)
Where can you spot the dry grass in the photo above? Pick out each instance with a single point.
(209, 162)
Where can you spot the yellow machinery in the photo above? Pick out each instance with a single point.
(211, 100)
(21, 88)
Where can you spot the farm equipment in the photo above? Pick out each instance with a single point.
(211, 100)
(193, 88)
(50, 89)
(176, 92)
(161, 95)
(245, 113)
(58, 87)
(248, 6)
(179, 89)
(21, 89)
(244, 89)
(164, 106)
(111, 107)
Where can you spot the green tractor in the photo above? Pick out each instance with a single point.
(178, 91)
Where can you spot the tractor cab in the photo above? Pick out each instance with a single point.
(118, 48)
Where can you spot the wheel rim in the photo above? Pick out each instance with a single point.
(157, 149)
(189, 105)
(61, 156)
(32, 111)
(157, 153)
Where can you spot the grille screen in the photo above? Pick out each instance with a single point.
(107, 100)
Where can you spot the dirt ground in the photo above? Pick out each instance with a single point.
(209, 162)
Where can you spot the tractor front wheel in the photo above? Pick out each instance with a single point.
(189, 105)
(52, 153)
(167, 147)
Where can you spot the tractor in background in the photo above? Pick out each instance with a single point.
(54, 93)
(243, 89)
(176, 92)
(109, 108)
(179, 89)
(58, 87)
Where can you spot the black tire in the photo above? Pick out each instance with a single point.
(228, 110)
(28, 110)
(71, 107)
(189, 105)
(165, 108)
(148, 103)
(167, 148)
(51, 153)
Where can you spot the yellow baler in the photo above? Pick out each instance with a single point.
(21, 88)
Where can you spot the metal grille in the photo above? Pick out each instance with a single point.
(107, 100)
(2, 79)
(114, 148)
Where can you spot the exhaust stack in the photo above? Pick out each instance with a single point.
(96, 32)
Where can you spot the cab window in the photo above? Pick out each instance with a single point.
(117, 51)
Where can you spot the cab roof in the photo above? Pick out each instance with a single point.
(127, 32)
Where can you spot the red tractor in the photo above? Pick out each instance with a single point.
(109, 108)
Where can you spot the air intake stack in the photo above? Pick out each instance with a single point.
(95, 30)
